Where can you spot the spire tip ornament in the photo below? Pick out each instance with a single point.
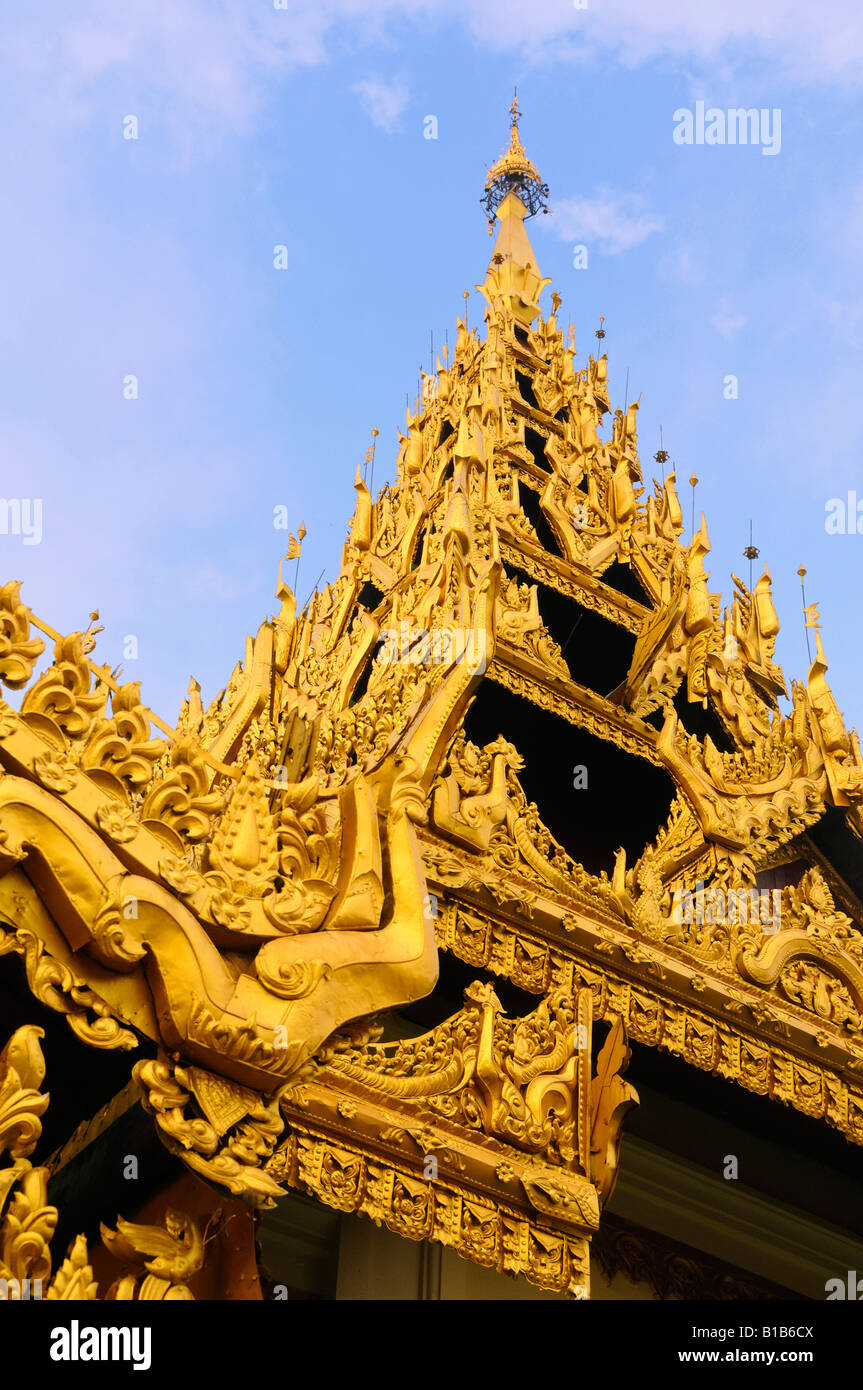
(514, 173)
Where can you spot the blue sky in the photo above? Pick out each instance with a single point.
(260, 387)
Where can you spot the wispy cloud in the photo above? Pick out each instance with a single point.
(803, 42)
(205, 66)
(611, 222)
(197, 65)
(680, 264)
(726, 322)
(383, 102)
(115, 272)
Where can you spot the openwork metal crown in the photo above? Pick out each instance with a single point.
(514, 173)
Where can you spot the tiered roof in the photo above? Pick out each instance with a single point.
(381, 782)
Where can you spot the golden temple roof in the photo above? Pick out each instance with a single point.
(283, 847)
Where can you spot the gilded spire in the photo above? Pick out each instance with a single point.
(514, 191)
(514, 173)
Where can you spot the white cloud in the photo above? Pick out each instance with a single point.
(203, 67)
(611, 222)
(680, 264)
(383, 102)
(726, 321)
(806, 42)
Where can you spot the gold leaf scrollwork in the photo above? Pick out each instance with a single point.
(19, 652)
(121, 745)
(234, 1160)
(182, 799)
(62, 694)
(22, 1070)
(54, 984)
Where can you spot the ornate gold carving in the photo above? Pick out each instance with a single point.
(816, 958)
(252, 888)
(734, 1040)
(170, 1255)
(611, 1099)
(22, 1070)
(244, 845)
(182, 798)
(495, 1232)
(121, 745)
(54, 984)
(523, 1081)
(471, 800)
(28, 1222)
(519, 624)
(252, 1127)
(18, 650)
(62, 694)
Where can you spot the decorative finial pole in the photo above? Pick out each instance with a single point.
(693, 482)
(751, 552)
(301, 536)
(314, 589)
(810, 614)
(370, 459)
(295, 545)
(514, 173)
(661, 456)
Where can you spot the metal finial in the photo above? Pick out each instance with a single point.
(751, 552)
(806, 613)
(370, 459)
(514, 173)
(661, 455)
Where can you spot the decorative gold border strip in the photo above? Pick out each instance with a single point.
(618, 608)
(705, 1042)
(576, 704)
(485, 1232)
